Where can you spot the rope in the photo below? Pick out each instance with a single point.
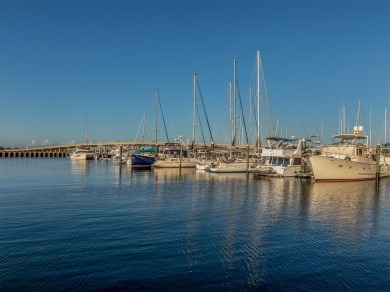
(204, 108)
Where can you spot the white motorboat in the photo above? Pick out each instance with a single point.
(349, 159)
(82, 154)
(284, 161)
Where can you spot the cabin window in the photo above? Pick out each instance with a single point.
(297, 161)
(359, 152)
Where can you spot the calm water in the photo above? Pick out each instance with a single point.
(89, 226)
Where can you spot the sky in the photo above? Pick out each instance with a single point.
(68, 66)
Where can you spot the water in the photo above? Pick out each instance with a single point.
(89, 226)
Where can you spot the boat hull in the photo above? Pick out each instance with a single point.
(139, 160)
(174, 164)
(287, 170)
(232, 168)
(340, 170)
(82, 156)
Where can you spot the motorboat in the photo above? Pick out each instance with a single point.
(82, 154)
(348, 159)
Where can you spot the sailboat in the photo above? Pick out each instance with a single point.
(83, 153)
(145, 157)
(172, 155)
(232, 165)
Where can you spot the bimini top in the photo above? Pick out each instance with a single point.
(281, 139)
(350, 137)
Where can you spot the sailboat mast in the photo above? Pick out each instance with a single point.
(250, 112)
(86, 134)
(385, 125)
(143, 130)
(155, 125)
(194, 119)
(230, 112)
(258, 100)
(235, 99)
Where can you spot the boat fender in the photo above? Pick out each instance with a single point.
(348, 158)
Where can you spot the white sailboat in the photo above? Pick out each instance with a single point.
(83, 153)
(174, 155)
(232, 167)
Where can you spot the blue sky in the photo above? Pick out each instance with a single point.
(64, 60)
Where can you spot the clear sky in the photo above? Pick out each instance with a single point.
(64, 60)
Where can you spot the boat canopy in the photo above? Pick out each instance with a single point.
(350, 137)
(147, 150)
(277, 139)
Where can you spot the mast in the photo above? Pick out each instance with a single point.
(258, 100)
(143, 130)
(250, 112)
(370, 129)
(86, 134)
(385, 125)
(230, 112)
(194, 118)
(235, 99)
(155, 125)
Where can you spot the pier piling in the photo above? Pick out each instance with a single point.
(378, 166)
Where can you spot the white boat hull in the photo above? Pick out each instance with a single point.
(82, 156)
(287, 170)
(202, 166)
(333, 169)
(174, 163)
(233, 167)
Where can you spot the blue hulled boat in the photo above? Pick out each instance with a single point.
(144, 158)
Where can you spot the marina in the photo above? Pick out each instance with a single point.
(195, 146)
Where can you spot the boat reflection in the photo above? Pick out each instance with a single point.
(346, 207)
(172, 174)
(79, 167)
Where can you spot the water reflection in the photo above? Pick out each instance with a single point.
(79, 167)
(162, 175)
(347, 208)
(220, 231)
